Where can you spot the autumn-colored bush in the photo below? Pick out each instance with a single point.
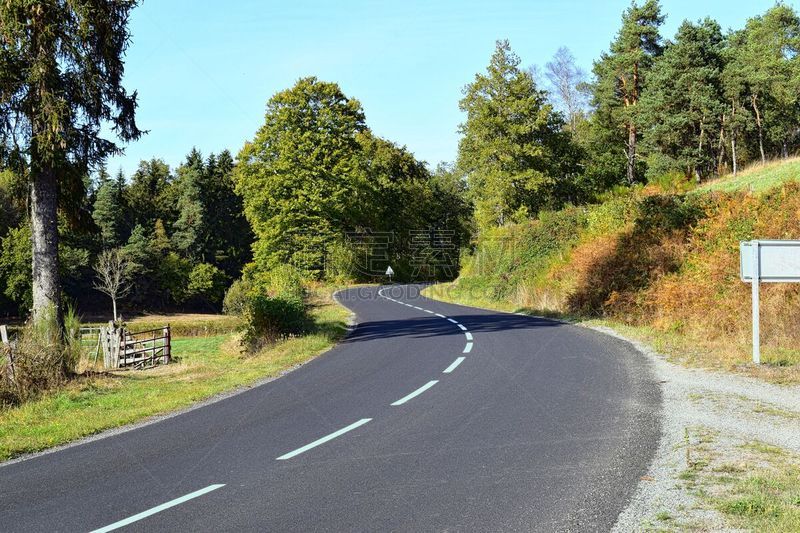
(666, 261)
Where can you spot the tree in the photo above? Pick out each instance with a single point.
(299, 177)
(151, 195)
(110, 211)
(764, 72)
(621, 73)
(566, 79)
(61, 68)
(112, 276)
(190, 227)
(511, 142)
(683, 105)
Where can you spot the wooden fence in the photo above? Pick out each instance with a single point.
(123, 348)
(120, 347)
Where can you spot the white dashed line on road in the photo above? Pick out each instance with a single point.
(158, 509)
(416, 393)
(453, 365)
(468, 347)
(324, 439)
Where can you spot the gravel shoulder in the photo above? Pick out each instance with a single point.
(712, 423)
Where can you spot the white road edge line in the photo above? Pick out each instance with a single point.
(452, 320)
(323, 440)
(468, 335)
(417, 308)
(468, 347)
(440, 315)
(158, 509)
(428, 311)
(462, 327)
(453, 365)
(416, 393)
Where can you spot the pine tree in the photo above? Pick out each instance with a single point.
(151, 195)
(763, 74)
(190, 227)
(621, 73)
(511, 142)
(683, 103)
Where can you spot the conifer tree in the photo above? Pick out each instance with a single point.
(61, 67)
(620, 75)
(512, 142)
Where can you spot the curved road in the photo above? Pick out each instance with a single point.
(541, 426)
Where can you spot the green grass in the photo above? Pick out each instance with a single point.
(757, 178)
(756, 486)
(204, 366)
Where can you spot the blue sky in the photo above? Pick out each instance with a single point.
(205, 69)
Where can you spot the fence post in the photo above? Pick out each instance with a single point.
(7, 349)
(167, 345)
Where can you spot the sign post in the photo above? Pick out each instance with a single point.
(390, 273)
(767, 262)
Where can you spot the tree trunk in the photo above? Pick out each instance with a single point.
(631, 166)
(114, 305)
(760, 129)
(44, 237)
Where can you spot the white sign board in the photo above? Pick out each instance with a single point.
(389, 272)
(770, 261)
(779, 261)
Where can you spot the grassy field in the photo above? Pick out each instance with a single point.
(757, 178)
(204, 366)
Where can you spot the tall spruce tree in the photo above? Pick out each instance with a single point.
(621, 72)
(61, 68)
(110, 211)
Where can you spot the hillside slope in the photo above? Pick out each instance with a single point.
(663, 267)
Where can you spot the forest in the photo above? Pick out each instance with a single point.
(317, 192)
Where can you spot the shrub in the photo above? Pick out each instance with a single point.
(206, 284)
(284, 281)
(41, 360)
(270, 318)
(235, 300)
(272, 305)
(341, 263)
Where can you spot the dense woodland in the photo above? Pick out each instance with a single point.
(317, 190)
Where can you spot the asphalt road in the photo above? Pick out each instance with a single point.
(541, 426)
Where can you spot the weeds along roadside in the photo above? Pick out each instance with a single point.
(663, 266)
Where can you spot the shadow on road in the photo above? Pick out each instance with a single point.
(424, 327)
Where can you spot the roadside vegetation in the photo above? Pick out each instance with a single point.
(204, 365)
(753, 484)
(658, 266)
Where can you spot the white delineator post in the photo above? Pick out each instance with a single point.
(756, 282)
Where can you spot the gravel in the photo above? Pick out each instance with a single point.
(736, 409)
